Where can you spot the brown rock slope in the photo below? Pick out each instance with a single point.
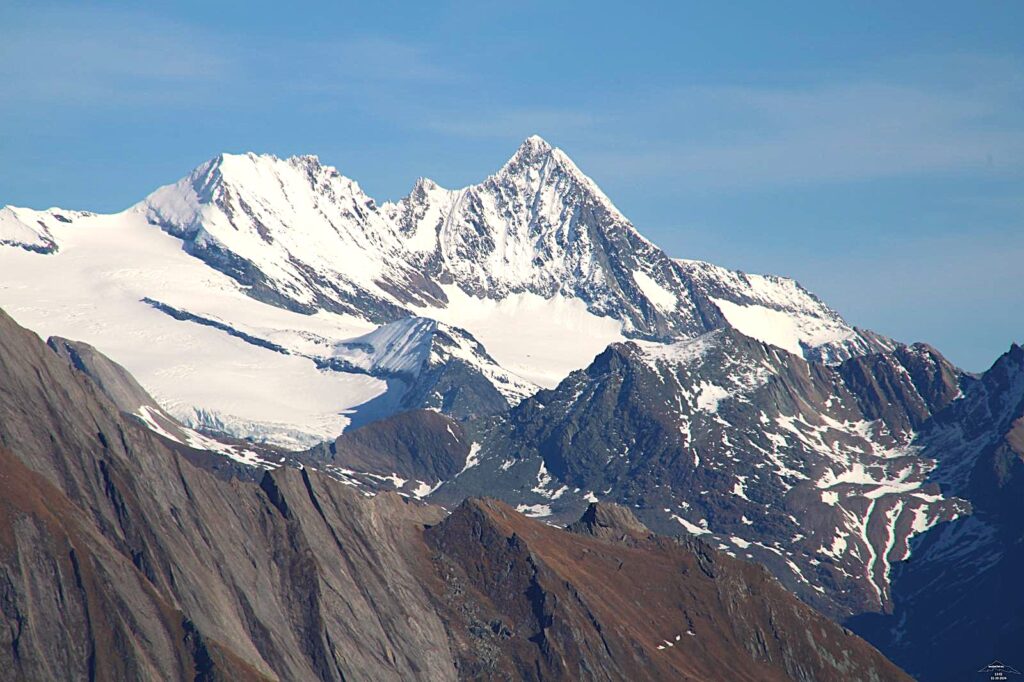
(121, 560)
(528, 601)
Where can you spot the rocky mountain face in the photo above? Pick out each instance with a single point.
(958, 602)
(647, 608)
(412, 452)
(120, 559)
(885, 490)
(808, 469)
(228, 457)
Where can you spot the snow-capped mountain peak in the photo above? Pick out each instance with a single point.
(534, 262)
(295, 232)
(538, 163)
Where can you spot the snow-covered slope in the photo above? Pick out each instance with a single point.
(778, 311)
(539, 225)
(30, 230)
(93, 288)
(297, 232)
(242, 295)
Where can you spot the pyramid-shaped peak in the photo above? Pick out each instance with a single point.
(536, 143)
(535, 154)
(537, 161)
(534, 151)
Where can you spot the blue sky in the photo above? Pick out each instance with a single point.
(872, 150)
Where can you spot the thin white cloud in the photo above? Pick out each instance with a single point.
(732, 137)
(118, 58)
(79, 57)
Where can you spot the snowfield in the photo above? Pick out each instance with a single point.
(273, 299)
(93, 291)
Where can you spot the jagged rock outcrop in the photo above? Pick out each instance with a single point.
(807, 468)
(609, 521)
(958, 601)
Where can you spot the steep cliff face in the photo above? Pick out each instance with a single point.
(297, 576)
(527, 601)
(119, 559)
(959, 603)
(809, 469)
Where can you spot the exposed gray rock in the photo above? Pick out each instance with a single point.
(119, 559)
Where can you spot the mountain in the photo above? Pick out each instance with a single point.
(442, 367)
(519, 339)
(780, 312)
(808, 469)
(959, 601)
(254, 277)
(28, 229)
(120, 559)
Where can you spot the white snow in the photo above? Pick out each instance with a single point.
(534, 510)
(710, 395)
(544, 479)
(198, 441)
(838, 546)
(423, 489)
(314, 216)
(399, 347)
(92, 291)
(683, 352)
(658, 295)
(25, 227)
(921, 522)
(739, 489)
(778, 311)
(541, 340)
(764, 324)
(472, 459)
(149, 417)
(692, 528)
